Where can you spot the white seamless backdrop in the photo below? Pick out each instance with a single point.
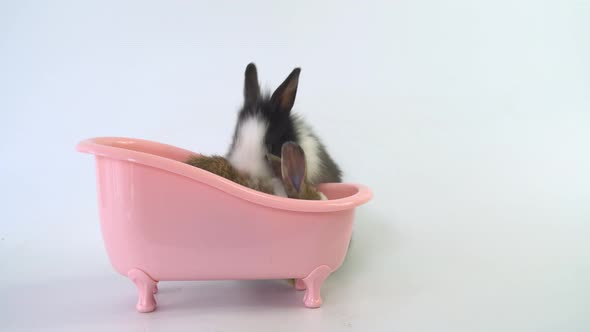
(470, 121)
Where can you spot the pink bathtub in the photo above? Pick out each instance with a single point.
(162, 219)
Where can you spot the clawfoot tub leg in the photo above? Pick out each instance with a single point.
(146, 288)
(156, 288)
(313, 282)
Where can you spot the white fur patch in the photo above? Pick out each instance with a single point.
(311, 147)
(279, 187)
(248, 154)
(322, 196)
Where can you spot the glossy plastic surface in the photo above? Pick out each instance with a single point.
(162, 219)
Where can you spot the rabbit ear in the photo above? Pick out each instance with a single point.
(284, 96)
(251, 87)
(275, 164)
(293, 165)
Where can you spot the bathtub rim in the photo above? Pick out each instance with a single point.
(99, 146)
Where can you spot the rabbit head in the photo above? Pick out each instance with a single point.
(273, 124)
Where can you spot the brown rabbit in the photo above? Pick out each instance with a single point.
(290, 168)
(220, 166)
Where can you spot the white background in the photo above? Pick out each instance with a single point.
(470, 121)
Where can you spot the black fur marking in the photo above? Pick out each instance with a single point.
(280, 126)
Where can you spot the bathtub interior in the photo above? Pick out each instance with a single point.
(337, 190)
(148, 147)
(332, 191)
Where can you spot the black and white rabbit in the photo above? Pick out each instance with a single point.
(266, 122)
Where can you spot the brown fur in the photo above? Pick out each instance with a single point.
(220, 166)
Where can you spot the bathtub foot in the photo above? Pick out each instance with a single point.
(313, 282)
(146, 288)
(156, 288)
